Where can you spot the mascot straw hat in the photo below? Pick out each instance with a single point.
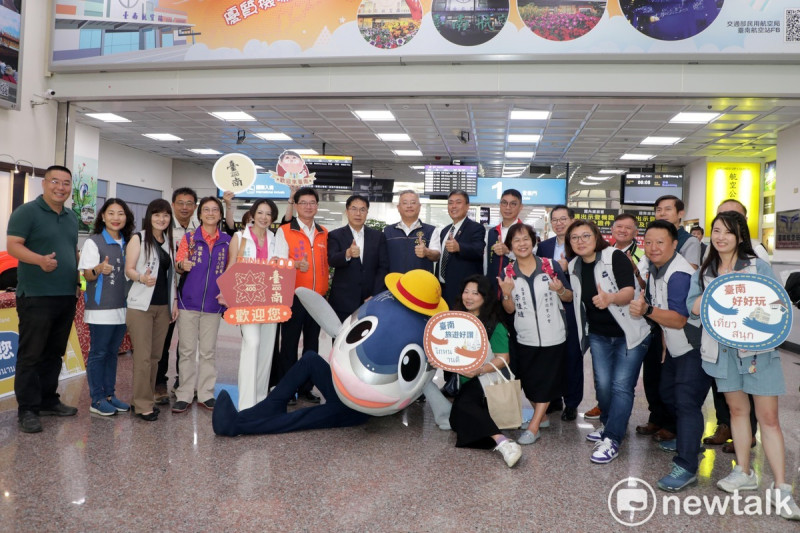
(418, 290)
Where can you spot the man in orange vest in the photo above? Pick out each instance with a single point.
(306, 243)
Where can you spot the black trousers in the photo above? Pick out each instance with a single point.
(660, 415)
(300, 323)
(44, 326)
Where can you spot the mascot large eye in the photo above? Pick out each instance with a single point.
(411, 365)
(360, 331)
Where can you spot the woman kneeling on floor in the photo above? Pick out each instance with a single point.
(470, 417)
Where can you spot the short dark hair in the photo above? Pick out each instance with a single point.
(58, 168)
(517, 228)
(214, 199)
(184, 190)
(355, 197)
(625, 216)
(456, 192)
(679, 206)
(305, 191)
(734, 200)
(272, 207)
(570, 211)
(599, 242)
(697, 228)
(663, 224)
(512, 192)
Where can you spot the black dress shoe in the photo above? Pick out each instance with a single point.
(29, 422)
(58, 409)
(569, 414)
(149, 417)
(310, 397)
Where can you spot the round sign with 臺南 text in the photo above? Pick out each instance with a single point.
(455, 341)
(746, 311)
(234, 172)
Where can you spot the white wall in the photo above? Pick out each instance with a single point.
(186, 174)
(695, 190)
(120, 164)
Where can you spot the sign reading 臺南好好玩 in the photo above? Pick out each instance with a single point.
(746, 311)
(455, 341)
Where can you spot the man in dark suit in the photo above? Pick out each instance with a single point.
(572, 388)
(359, 257)
(698, 232)
(462, 247)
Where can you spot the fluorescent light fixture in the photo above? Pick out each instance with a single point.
(204, 151)
(357, 172)
(107, 117)
(400, 137)
(162, 136)
(637, 157)
(273, 136)
(525, 114)
(588, 183)
(521, 138)
(305, 151)
(377, 115)
(599, 178)
(694, 118)
(232, 116)
(661, 141)
(408, 153)
(611, 171)
(519, 155)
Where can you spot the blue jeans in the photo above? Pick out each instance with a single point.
(684, 387)
(101, 366)
(616, 370)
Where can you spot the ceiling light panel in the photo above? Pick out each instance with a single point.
(393, 137)
(525, 114)
(162, 136)
(660, 141)
(204, 151)
(694, 118)
(275, 136)
(519, 155)
(524, 138)
(107, 117)
(407, 153)
(232, 116)
(374, 115)
(637, 157)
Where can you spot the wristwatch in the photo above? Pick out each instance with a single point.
(649, 310)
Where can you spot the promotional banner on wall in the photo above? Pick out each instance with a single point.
(84, 191)
(130, 34)
(740, 181)
(10, 42)
(9, 342)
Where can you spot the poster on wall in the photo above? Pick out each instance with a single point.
(787, 229)
(740, 181)
(115, 34)
(603, 218)
(10, 51)
(84, 191)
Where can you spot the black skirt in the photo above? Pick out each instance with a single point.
(470, 418)
(541, 371)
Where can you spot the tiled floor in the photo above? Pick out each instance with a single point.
(397, 473)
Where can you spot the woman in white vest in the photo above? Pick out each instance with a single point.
(603, 283)
(152, 301)
(739, 372)
(255, 243)
(533, 289)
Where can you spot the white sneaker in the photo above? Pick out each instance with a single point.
(604, 451)
(596, 435)
(511, 452)
(784, 503)
(738, 480)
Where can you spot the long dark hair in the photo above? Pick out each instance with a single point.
(489, 314)
(736, 224)
(158, 205)
(127, 229)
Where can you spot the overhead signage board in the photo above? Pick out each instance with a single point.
(534, 191)
(116, 34)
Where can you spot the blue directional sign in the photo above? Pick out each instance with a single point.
(534, 191)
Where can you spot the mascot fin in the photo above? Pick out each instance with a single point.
(320, 310)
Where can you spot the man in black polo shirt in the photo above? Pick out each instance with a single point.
(43, 235)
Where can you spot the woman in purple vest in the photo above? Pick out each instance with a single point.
(202, 257)
(103, 264)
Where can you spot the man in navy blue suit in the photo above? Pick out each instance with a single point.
(359, 257)
(462, 247)
(572, 389)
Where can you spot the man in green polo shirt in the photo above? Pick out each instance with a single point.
(43, 235)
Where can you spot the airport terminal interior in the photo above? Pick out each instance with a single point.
(140, 98)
